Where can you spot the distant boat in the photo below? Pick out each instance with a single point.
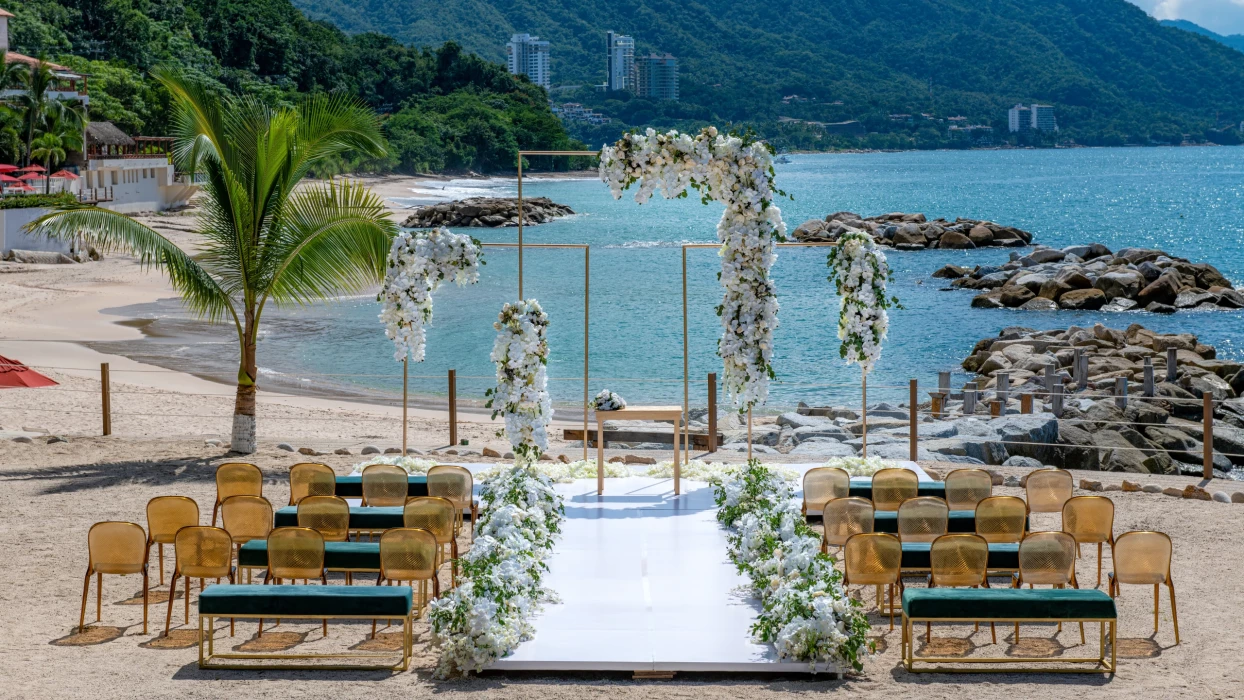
(782, 159)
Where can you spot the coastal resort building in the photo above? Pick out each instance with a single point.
(619, 62)
(527, 55)
(131, 174)
(1035, 117)
(656, 77)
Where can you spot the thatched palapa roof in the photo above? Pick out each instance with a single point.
(106, 134)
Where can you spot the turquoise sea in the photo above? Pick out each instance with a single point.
(1187, 201)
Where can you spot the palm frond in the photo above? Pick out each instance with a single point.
(198, 120)
(113, 232)
(332, 124)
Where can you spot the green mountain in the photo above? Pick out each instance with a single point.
(1112, 72)
(1235, 41)
(445, 109)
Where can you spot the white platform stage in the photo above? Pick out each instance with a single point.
(646, 585)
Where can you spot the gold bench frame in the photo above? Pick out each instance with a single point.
(207, 652)
(910, 659)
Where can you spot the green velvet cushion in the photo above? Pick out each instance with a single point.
(305, 601)
(369, 518)
(1001, 555)
(352, 486)
(862, 487)
(337, 555)
(1007, 604)
(959, 521)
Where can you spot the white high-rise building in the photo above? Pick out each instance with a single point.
(1031, 118)
(527, 55)
(656, 77)
(1043, 118)
(620, 53)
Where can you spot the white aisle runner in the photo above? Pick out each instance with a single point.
(645, 584)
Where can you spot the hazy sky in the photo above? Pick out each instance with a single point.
(1222, 16)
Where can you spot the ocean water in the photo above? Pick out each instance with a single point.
(1187, 201)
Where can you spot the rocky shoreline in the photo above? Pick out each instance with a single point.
(913, 231)
(1091, 277)
(486, 212)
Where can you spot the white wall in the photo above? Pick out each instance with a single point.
(137, 184)
(13, 237)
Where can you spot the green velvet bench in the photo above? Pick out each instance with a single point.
(1003, 556)
(304, 602)
(349, 557)
(957, 521)
(362, 518)
(1010, 605)
(351, 486)
(862, 487)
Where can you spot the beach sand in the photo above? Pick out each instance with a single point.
(52, 493)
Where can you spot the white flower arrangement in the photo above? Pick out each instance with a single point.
(521, 354)
(418, 263)
(710, 472)
(489, 613)
(860, 466)
(562, 473)
(412, 465)
(859, 271)
(738, 172)
(806, 612)
(608, 401)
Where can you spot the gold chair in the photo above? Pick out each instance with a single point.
(874, 559)
(246, 518)
(165, 516)
(114, 548)
(844, 517)
(1001, 519)
(967, 487)
(1049, 559)
(1047, 490)
(295, 553)
(200, 552)
(409, 554)
(384, 485)
(236, 479)
(959, 560)
(436, 515)
(893, 486)
(923, 519)
(311, 479)
(457, 485)
(821, 484)
(1144, 558)
(1090, 520)
(327, 515)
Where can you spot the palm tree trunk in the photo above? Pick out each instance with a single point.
(244, 441)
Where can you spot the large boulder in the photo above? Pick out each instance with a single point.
(955, 241)
(899, 451)
(1039, 304)
(1014, 296)
(909, 234)
(1077, 449)
(1118, 454)
(1163, 290)
(823, 431)
(823, 448)
(1124, 283)
(988, 300)
(1083, 299)
(951, 272)
(798, 420)
(1030, 435)
(1046, 255)
(1192, 298)
(1052, 289)
(1208, 276)
(1073, 277)
(981, 235)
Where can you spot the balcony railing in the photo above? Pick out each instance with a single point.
(143, 147)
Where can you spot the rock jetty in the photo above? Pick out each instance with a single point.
(1091, 277)
(488, 212)
(913, 231)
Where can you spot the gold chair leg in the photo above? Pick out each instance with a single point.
(1174, 613)
(188, 589)
(928, 632)
(99, 597)
(993, 632)
(1099, 564)
(172, 593)
(1082, 633)
(86, 587)
(891, 607)
(1017, 633)
(160, 549)
(146, 589)
(1155, 608)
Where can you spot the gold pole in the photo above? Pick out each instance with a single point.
(520, 226)
(749, 433)
(453, 407)
(405, 375)
(587, 276)
(105, 390)
(686, 377)
(864, 412)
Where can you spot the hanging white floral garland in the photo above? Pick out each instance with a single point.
(418, 263)
(488, 614)
(859, 272)
(521, 354)
(806, 613)
(738, 172)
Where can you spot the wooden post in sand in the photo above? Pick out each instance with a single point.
(453, 408)
(1207, 418)
(913, 433)
(712, 412)
(105, 390)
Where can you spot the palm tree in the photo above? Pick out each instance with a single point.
(49, 147)
(263, 238)
(35, 101)
(62, 131)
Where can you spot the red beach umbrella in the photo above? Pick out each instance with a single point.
(65, 174)
(31, 176)
(6, 168)
(32, 168)
(8, 178)
(15, 374)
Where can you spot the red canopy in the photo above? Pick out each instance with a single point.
(8, 178)
(31, 176)
(32, 168)
(15, 374)
(64, 174)
(5, 168)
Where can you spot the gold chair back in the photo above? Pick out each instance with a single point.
(1048, 490)
(844, 517)
(168, 514)
(384, 485)
(1001, 518)
(203, 552)
(893, 486)
(311, 479)
(452, 483)
(408, 554)
(959, 560)
(873, 558)
(1142, 557)
(1047, 558)
(117, 548)
(327, 515)
(238, 479)
(923, 519)
(431, 513)
(295, 552)
(1089, 519)
(246, 518)
(967, 487)
(821, 484)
